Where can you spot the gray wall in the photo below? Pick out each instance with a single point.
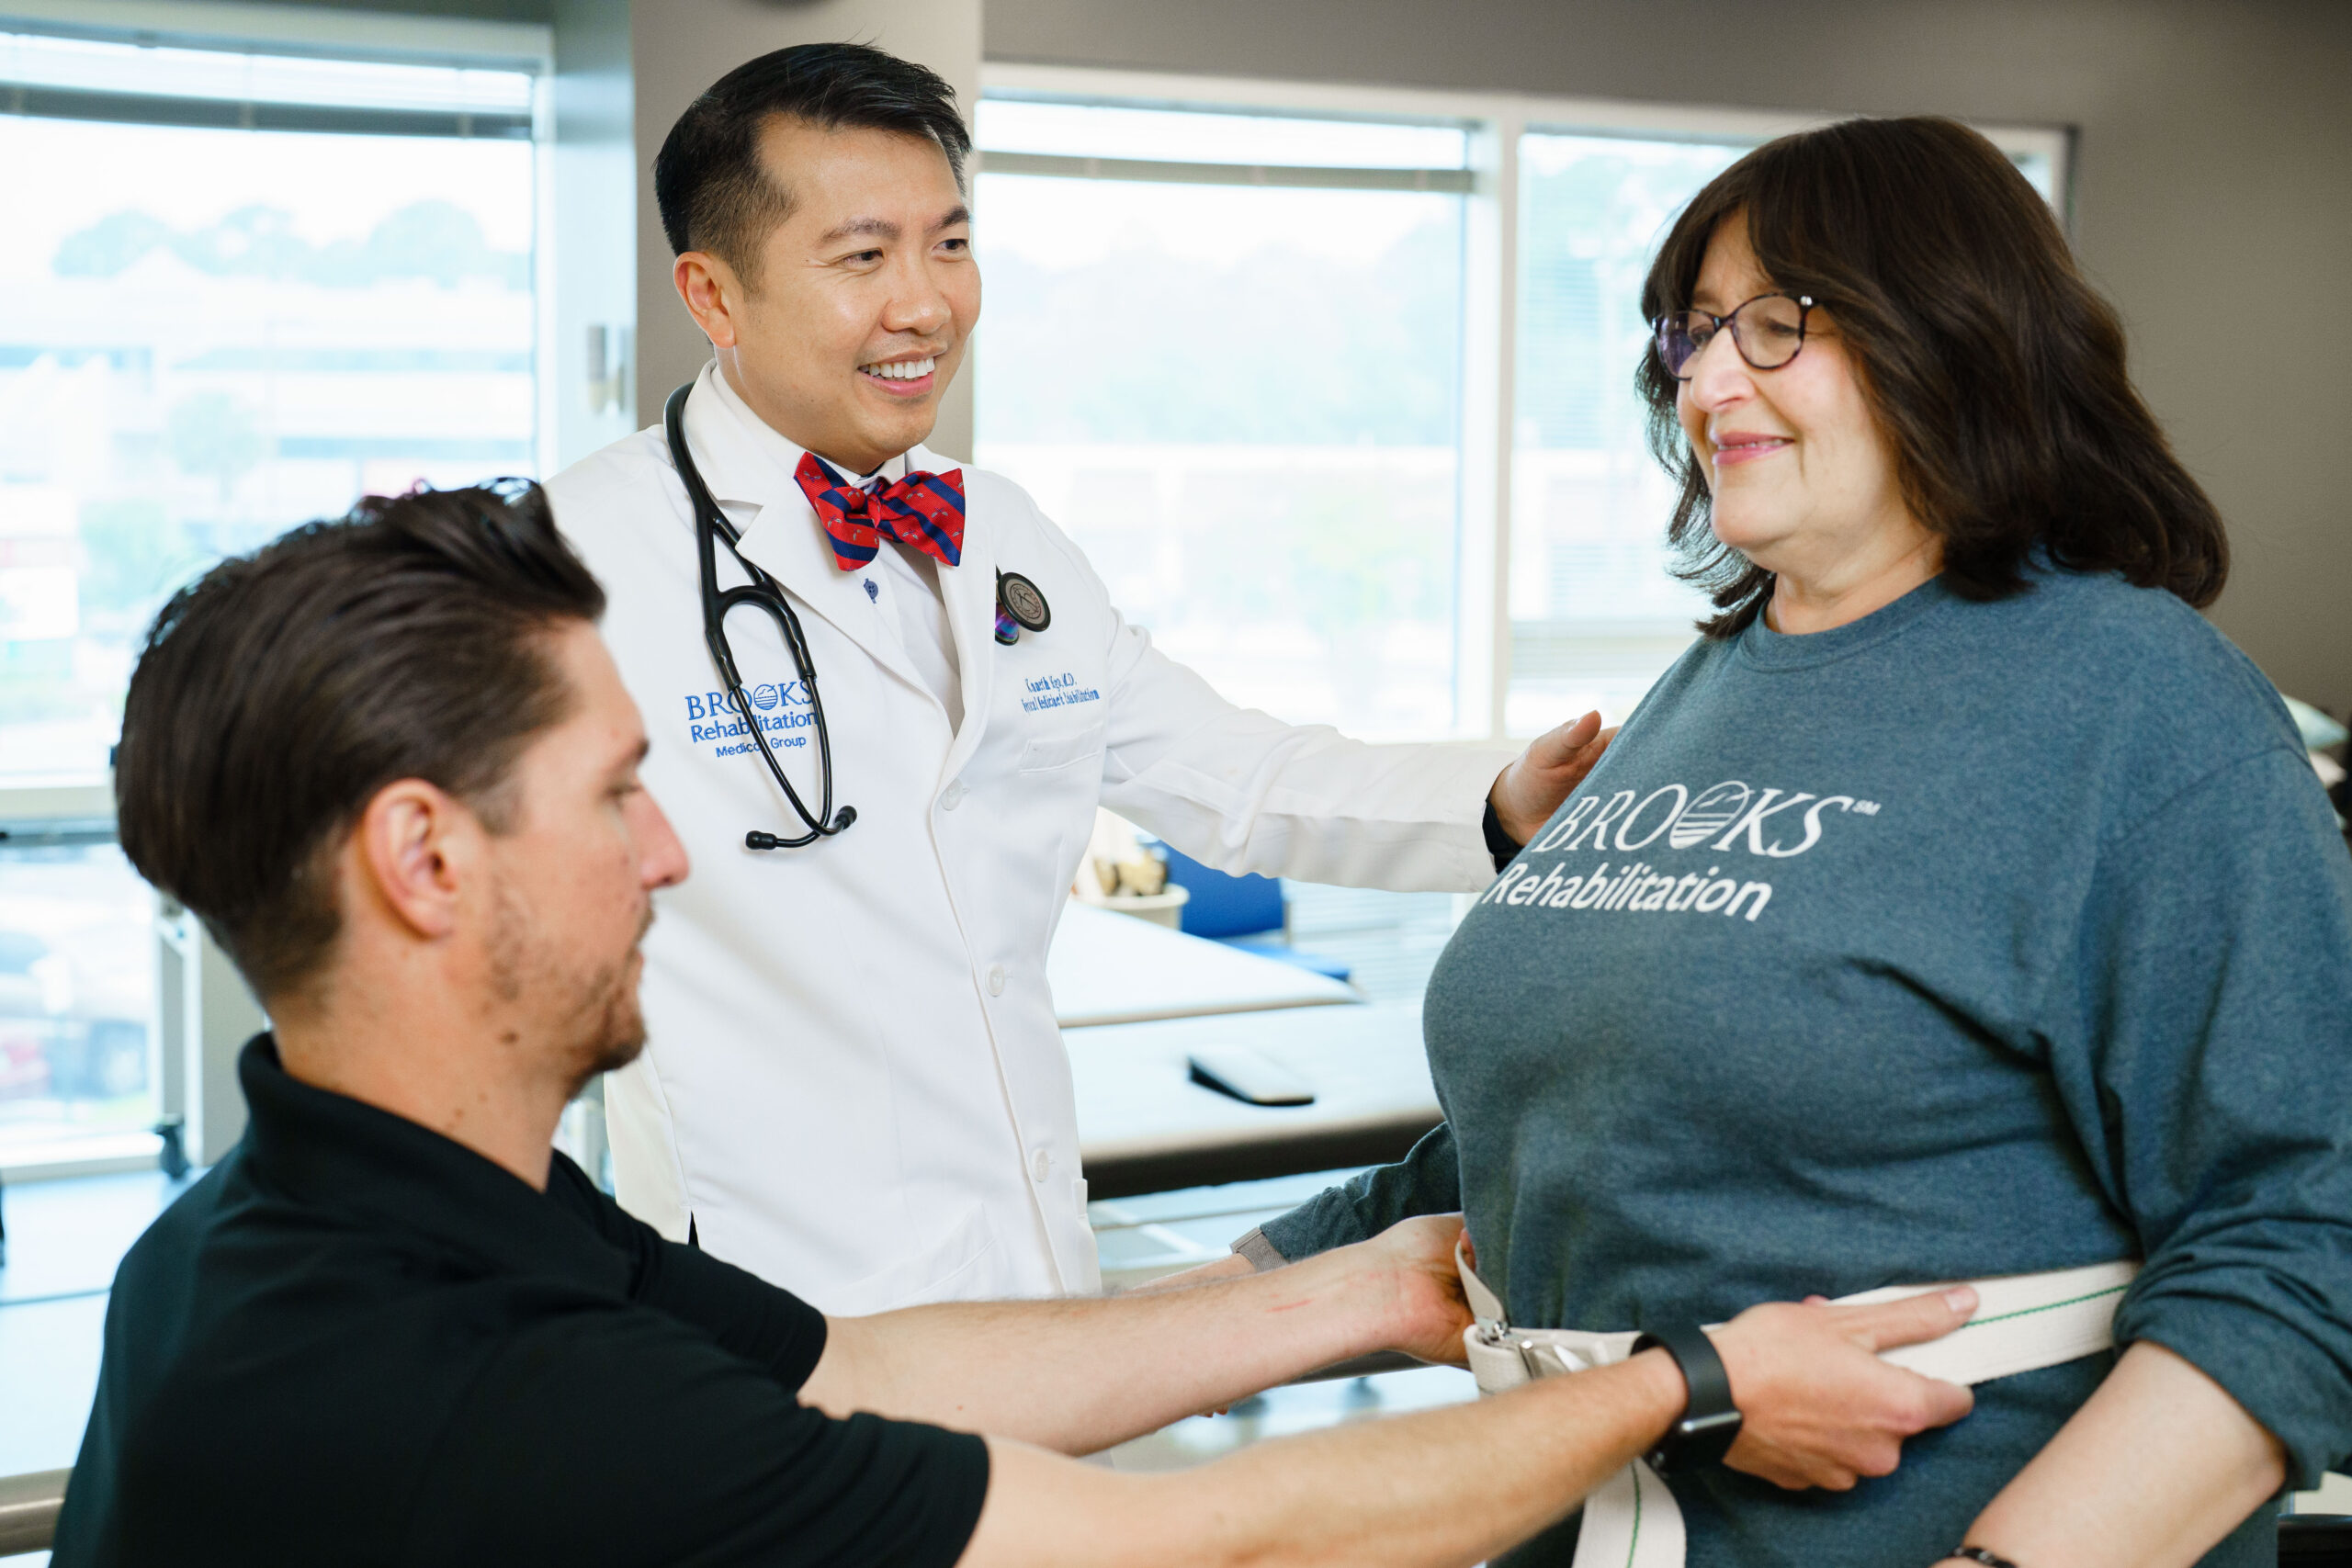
(2213, 185)
(680, 48)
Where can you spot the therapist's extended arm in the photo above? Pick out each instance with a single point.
(1458, 1485)
(1080, 1375)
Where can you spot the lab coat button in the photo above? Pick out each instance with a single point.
(996, 984)
(952, 797)
(1042, 1166)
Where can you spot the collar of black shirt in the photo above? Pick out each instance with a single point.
(328, 1153)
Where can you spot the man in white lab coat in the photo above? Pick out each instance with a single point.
(854, 1083)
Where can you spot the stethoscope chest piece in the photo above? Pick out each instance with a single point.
(1019, 608)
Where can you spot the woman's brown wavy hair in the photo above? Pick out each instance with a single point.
(1995, 369)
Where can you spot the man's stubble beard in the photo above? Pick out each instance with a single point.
(593, 1021)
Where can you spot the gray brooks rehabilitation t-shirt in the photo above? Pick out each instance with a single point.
(1966, 940)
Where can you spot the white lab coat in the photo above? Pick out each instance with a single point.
(853, 1083)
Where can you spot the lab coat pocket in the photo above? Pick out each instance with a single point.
(1045, 752)
(944, 1271)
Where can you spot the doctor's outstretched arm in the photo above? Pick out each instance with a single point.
(1242, 791)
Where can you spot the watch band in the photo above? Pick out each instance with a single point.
(1710, 1422)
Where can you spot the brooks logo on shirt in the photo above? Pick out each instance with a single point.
(1726, 817)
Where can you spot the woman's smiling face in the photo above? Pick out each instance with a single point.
(1804, 482)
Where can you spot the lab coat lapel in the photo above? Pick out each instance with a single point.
(969, 589)
(751, 476)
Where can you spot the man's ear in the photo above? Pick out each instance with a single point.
(413, 848)
(712, 293)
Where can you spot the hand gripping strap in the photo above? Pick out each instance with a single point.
(1630, 1520)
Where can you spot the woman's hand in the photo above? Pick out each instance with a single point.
(1818, 1407)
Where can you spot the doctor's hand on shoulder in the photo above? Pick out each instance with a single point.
(1528, 792)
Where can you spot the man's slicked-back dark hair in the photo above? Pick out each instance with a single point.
(280, 691)
(1994, 368)
(714, 193)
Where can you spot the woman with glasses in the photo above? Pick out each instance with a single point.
(1961, 906)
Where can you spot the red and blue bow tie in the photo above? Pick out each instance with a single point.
(922, 512)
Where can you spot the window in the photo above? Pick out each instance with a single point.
(1334, 385)
(77, 987)
(240, 287)
(1595, 615)
(224, 314)
(1223, 350)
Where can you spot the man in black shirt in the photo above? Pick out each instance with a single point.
(391, 763)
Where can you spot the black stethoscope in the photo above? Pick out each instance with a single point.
(1019, 607)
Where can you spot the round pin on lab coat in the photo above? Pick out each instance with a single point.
(1018, 597)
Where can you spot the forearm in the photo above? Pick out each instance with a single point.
(1458, 1485)
(2157, 1466)
(1447, 1487)
(1232, 1265)
(1242, 792)
(1081, 1375)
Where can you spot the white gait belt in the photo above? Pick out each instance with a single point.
(2022, 1322)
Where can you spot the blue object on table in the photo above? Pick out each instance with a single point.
(1241, 911)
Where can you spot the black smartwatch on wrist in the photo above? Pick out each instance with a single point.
(1710, 1422)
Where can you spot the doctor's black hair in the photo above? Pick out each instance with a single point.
(281, 690)
(714, 192)
(1995, 371)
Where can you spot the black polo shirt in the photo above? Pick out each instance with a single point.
(356, 1341)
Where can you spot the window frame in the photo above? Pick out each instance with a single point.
(49, 813)
(1496, 122)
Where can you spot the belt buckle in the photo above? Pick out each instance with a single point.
(1501, 1337)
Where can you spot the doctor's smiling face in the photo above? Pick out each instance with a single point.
(853, 315)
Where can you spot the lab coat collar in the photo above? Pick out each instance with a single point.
(750, 469)
(969, 589)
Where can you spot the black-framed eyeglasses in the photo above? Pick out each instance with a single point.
(1768, 331)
